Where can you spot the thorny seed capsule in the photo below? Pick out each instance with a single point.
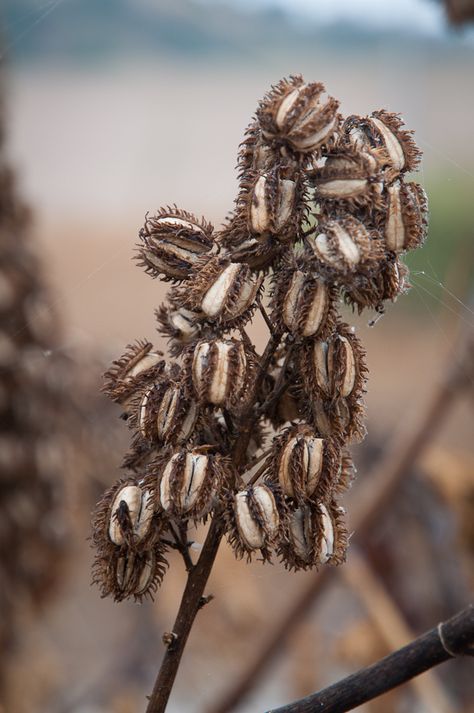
(180, 324)
(134, 574)
(344, 245)
(382, 132)
(173, 241)
(222, 290)
(130, 515)
(349, 175)
(272, 204)
(219, 371)
(316, 535)
(298, 114)
(301, 459)
(134, 368)
(406, 217)
(188, 483)
(304, 304)
(335, 365)
(256, 517)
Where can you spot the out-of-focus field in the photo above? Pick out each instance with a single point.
(95, 151)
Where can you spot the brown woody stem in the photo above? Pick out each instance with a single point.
(192, 599)
(452, 638)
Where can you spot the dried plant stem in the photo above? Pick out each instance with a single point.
(192, 599)
(452, 638)
(368, 505)
(392, 625)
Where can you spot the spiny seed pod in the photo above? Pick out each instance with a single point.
(351, 176)
(345, 245)
(373, 289)
(315, 535)
(138, 365)
(130, 515)
(258, 252)
(299, 115)
(130, 574)
(165, 413)
(335, 367)
(220, 371)
(406, 218)
(189, 481)
(382, 131)
(303, 304)
(223, 291)
(181, 325)
(341, 419)
(304, 465)
(272, 205)
(173, 240)
(254, 520)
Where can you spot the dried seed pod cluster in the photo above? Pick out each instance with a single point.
(322, 216)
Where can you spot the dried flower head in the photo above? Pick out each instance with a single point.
(257, 441)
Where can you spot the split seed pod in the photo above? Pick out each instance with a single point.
(173, 240)
(129, 574)
(348, 176)
(189, 482)
(406, 217)
(220, 371)
(222, 291)
(254, 521)
(181, 325)
(303, 304)
(138, 365)
(345, 246)
(316, 535)
(272, 205)
(304, 465)
(130, 517)
(166, 413)
(298, 115)
(383, 132)
(374, 288)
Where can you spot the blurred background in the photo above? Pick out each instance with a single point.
(116, 108)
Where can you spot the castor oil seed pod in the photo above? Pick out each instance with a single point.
(136, 367)
(406, 217)
(220, 371)
(131, 514)
(302, 304)
(345, 245)
(272, 204)
(255, 521)
(172, 242)
(350, 177)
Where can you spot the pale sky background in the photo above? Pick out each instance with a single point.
(422, 16)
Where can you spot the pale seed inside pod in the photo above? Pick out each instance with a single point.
(147, 362)
(311, 464)
(312, 141)
(342, 187)
(320, 354)
(299, 531)
(166, 411)
(195, 471)
(286, 199)
(143, 412)
(259, 214)
(392, 144)
(251, 533)
(267, 507)
(216, 296)
(317, 310)
(347, 355)
(285, 107)
(146, 574)
(326, 547)
(138, 506)
(200, 360)
(180, 223)
(188, 423)
(344, 245)
(124, 571)
(395, 228)
(184, 321)
(291, 301)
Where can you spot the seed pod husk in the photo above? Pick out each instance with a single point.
(298, 115)
(130, 516)
(372, 289)
(129, 574)
(272, 204)
(223, 291)
(316, 535)
(305, 466)
(254, 520)
(181, 325)
(165, 412)
(348, 177)
(220, 371)
(406, 216)
(382, 133)
(302, 304)
(172, 242)
(138, 366)
(345, 246)
(188, 482)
